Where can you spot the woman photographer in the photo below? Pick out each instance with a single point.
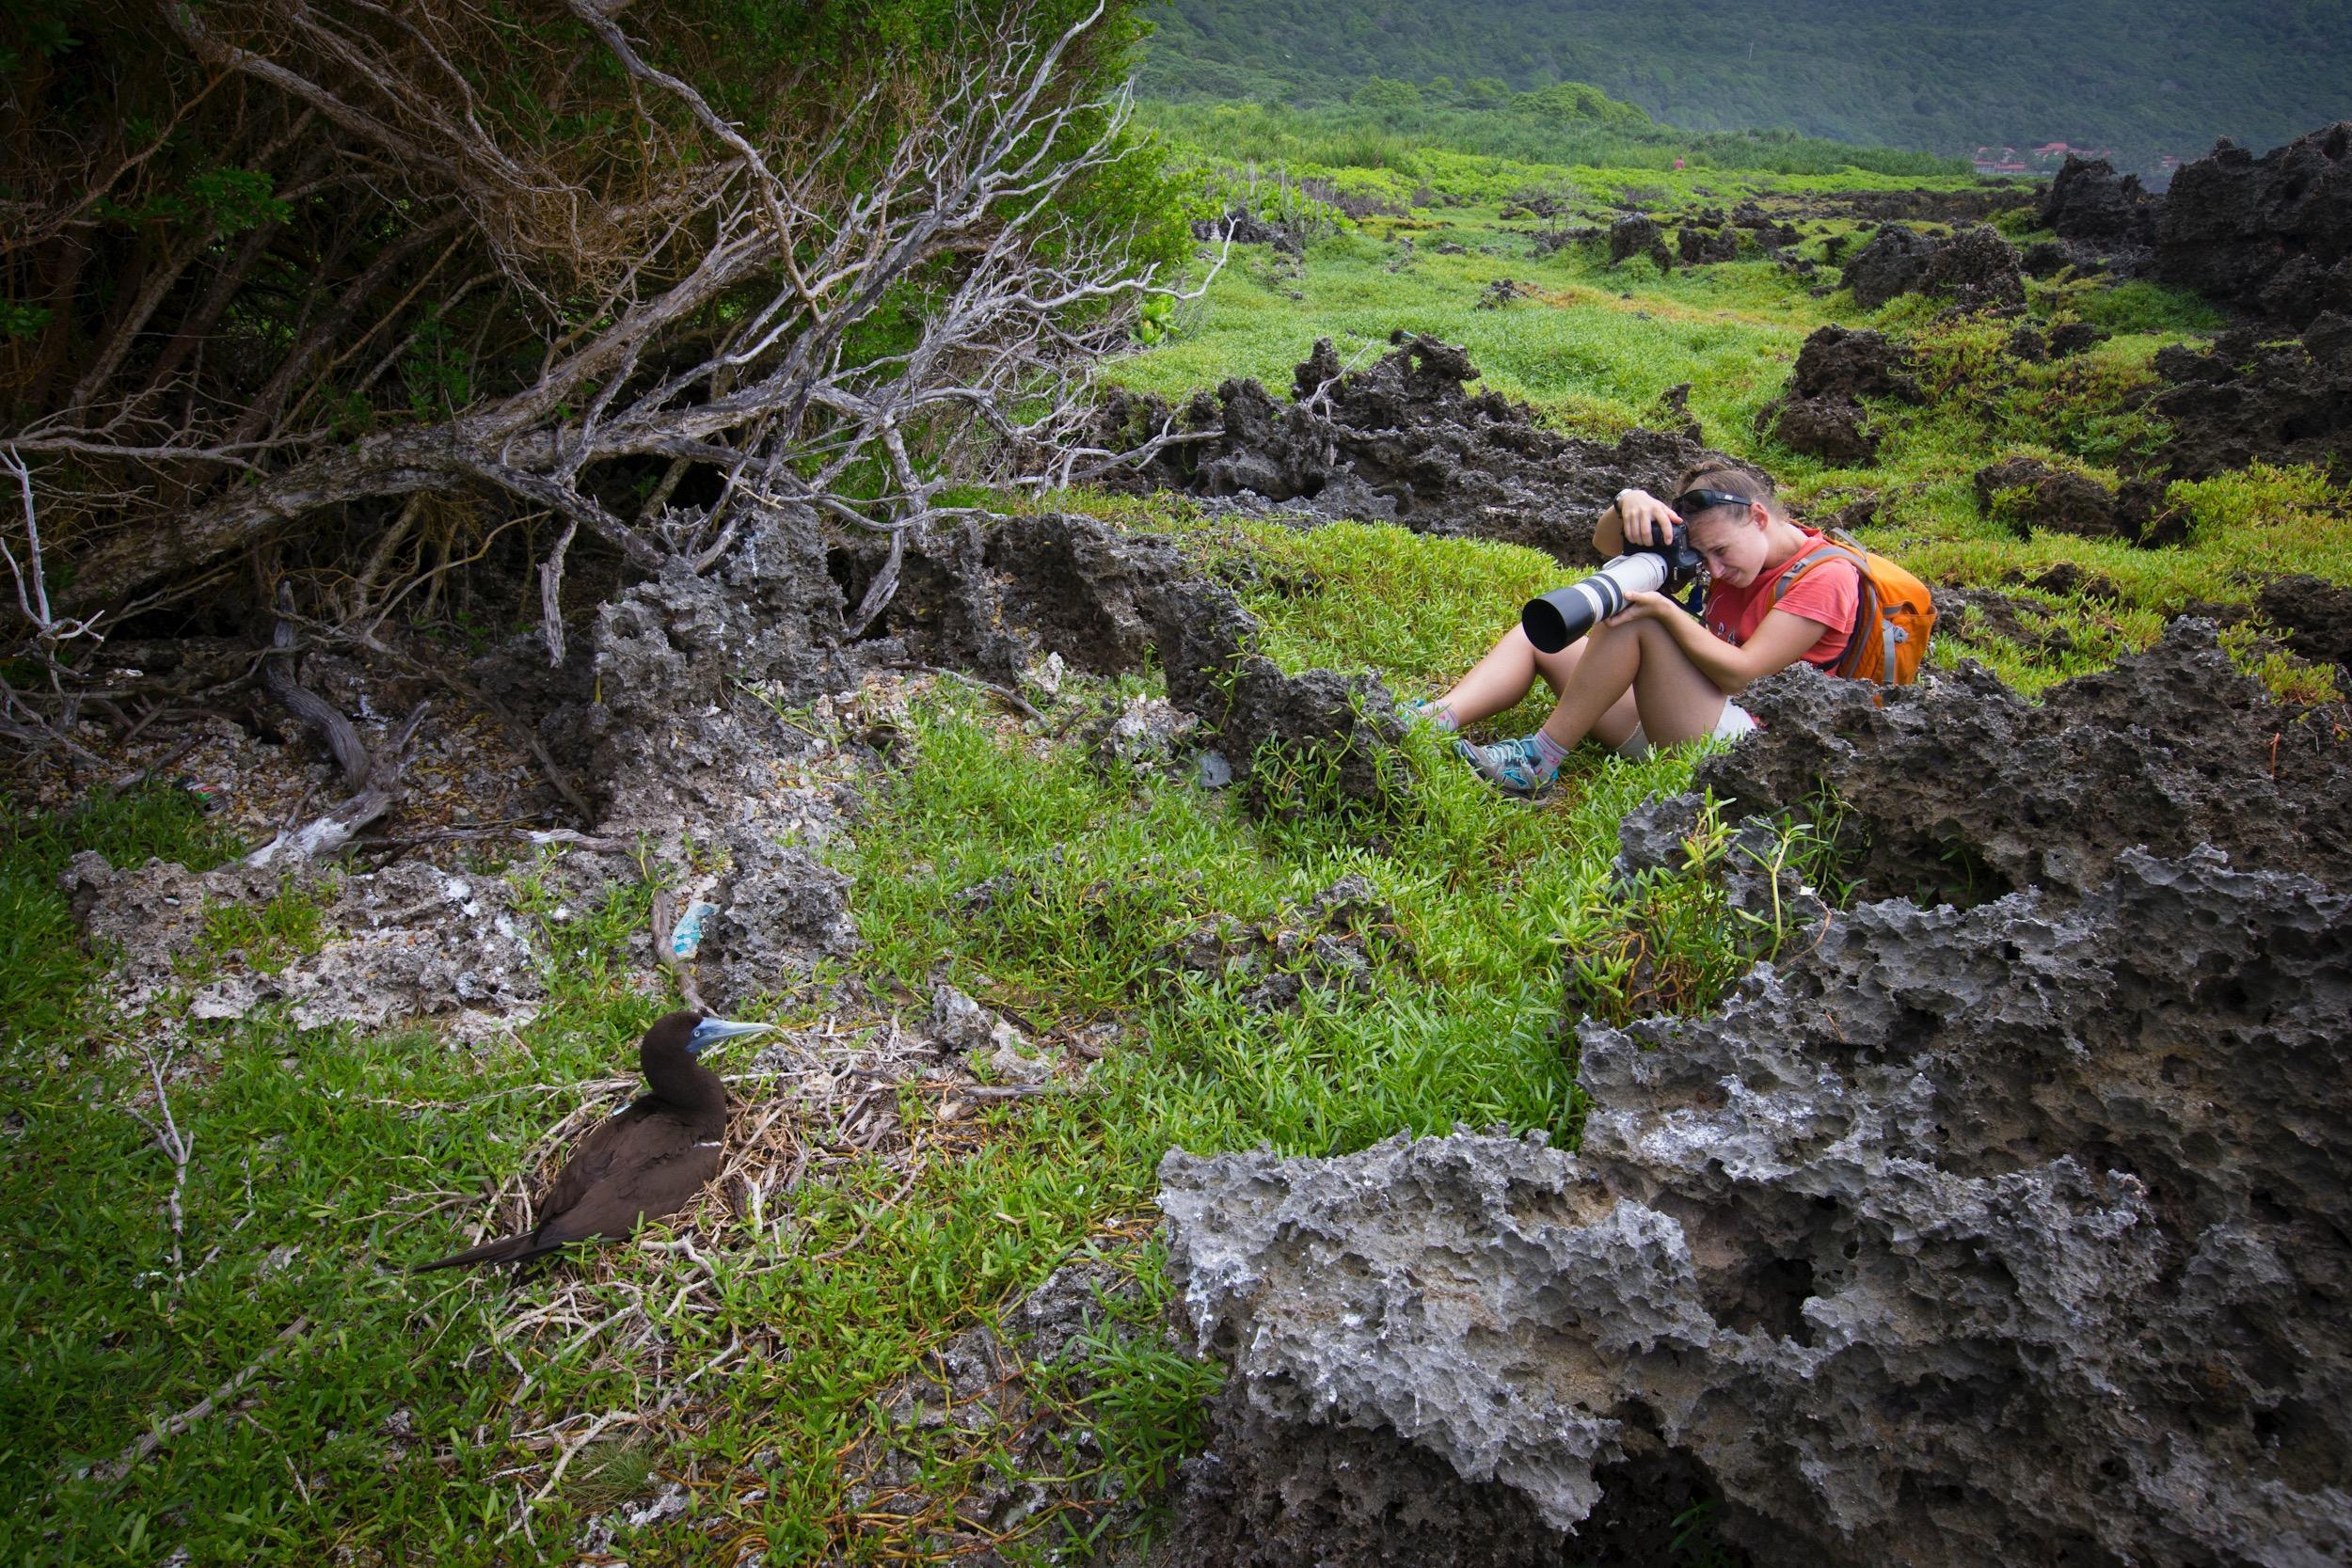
(1652, 674)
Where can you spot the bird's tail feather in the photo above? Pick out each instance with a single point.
(506, 1249)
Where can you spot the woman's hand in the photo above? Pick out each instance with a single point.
(1643, 607)
(1644, 519)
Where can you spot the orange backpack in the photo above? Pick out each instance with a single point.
(1893, 621)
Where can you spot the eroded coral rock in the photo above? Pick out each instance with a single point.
(1975, 268)
(1952, 1177)
(669, 737)
(1638, 234)
(1966, 791)
(2088, 201)
(779, 909)
(2048, 499)
(1821, 411)
(2013, 1228)
(408, 941)
(1341, 729)
(2247, 397)
(1892, 264)
(2273, 234)
(1700, 245)
(1403, 441)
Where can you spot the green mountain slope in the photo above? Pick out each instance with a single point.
(1939, 76)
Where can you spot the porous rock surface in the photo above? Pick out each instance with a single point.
(673, 711)
(2316, 615)
(2272, 234)
(1821, 411)
(997, 598)
(1638, 234)
(2006, 1231)
(1974, 267)
(407, 941)
(1698, 246)
(2089, 202)
(2249, 397)
(1965, 790)
(1399, 441)
(2048, 499)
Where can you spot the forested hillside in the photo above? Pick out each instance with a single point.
(1942, 76)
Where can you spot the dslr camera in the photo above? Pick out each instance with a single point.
(1565, 615)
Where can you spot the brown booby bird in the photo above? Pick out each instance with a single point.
(643, 1162)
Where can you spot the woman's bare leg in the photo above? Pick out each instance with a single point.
(1629, 672)
(1677, 701)
(1509, 671)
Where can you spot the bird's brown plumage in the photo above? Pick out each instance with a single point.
(643, 1162)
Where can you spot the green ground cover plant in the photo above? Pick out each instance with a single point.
(1567, 123)
(382, 1421)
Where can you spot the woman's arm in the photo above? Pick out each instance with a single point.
(1779, 642)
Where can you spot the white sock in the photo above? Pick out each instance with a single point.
(1549, 753)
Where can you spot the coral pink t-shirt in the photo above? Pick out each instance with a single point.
(1830, 593)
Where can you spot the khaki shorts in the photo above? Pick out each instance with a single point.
(1734, 722)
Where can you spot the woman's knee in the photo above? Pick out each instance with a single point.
(1559, 669)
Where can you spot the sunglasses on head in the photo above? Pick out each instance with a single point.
(1691, 503)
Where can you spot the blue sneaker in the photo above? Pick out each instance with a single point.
(1513, 767)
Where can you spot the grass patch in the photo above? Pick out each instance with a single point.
(42, 969)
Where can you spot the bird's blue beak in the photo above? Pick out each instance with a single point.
(710, 1031)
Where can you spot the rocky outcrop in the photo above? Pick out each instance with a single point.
(1698, 246)
(2005, 1228)
(1241, 226)
(2247, 397)
(2039, 498)
(1892, 264)
(1967, 792)
(1918, 206)
(2272, 234)
(666, 737)
(2087, 201)
(1821, 411)
(2316, 616)
(1320, 732)
(1401, 441)
(999, 595)
(1638, 234)
(1974, 268)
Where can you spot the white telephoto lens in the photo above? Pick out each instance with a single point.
(1565, 615)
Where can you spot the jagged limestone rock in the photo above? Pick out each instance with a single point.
(2011, 1229)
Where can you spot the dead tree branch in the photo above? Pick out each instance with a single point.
(690, 298)
(378, 792)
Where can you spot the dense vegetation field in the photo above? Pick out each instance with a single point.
(357, 1415)
(1942, 78)
(1592, 347)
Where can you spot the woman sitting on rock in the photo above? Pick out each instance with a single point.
(1653, 674)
